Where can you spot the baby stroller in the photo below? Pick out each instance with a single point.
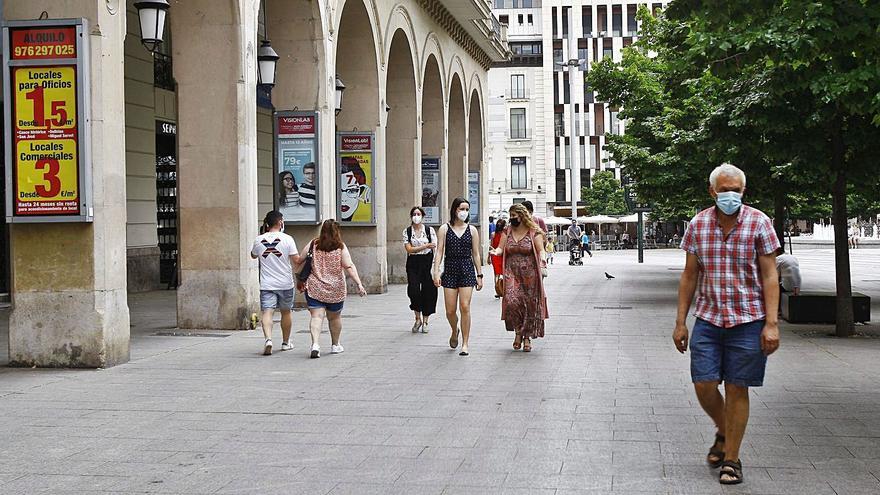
(575, 253)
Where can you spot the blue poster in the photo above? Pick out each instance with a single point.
(297, 179)
(431, 189)
(474, 197)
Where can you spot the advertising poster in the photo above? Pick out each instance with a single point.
(44, 157)
(431, 190)
(356, 178)
(473, 197)
(296, 151)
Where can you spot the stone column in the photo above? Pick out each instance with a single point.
(214, 54)
(68, 280)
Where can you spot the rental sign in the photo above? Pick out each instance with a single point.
(46, 121)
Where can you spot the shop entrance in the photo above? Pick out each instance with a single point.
(166, 201)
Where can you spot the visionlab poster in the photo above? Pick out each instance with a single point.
(431, 189)
(296, 158)
(356, 178)
(474, 197)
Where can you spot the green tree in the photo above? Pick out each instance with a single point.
(606, 195)
(787, 89)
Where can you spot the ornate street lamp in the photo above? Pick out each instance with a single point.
(266, 61)
(152, 20)
(340, 88)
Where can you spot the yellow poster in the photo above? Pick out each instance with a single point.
(356, 194)
(47, 172)
(45, 98)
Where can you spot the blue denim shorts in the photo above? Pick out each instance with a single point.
(730, 355)
(316, 304)
(281, 299)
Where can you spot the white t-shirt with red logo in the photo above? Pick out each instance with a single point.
(274, 250)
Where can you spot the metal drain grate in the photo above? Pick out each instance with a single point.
(612, 307)
(190, 334)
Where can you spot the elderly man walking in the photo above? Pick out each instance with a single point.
(731, 266)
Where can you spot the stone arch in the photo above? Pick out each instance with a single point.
(456, 68)
(433, 136)
(297, 31)
(400, 19)
(456, 126)
(475, 146)
(401, 157)
(357, 59)
(432, 48)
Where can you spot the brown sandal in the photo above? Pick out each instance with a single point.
(517, 342)
(715, 457)
(527, 345)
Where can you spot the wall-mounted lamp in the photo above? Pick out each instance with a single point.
(152, 20)
(340, 89)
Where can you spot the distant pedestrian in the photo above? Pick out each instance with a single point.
(574, 234)
(492, 226)
(524, 306)
(459, 248)
(585, 243)
(275, 250)
(420, 240)
(854, 236)
(789, 272)
(550, 249)
(325, 288)
(497, 268)
(731, 266)
(538, 220)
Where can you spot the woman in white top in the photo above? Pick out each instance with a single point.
(419, 241)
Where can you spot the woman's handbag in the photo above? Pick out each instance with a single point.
(306, 268)
(499, 286)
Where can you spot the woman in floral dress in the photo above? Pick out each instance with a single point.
(524, 304)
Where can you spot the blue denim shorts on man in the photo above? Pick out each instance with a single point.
(732, 355)
(272, 299)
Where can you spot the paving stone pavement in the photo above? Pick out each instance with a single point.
(602, 405)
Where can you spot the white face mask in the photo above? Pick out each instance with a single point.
(417, 219)
(464, 215)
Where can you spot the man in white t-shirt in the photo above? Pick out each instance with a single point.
(276, 251)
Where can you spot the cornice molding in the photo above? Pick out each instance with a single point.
(447, 21)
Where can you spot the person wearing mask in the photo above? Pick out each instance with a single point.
(524, 306)
(497, 269)
(420, 240)
(325, 288)
(538, 220)
(276, 251)
(459, 248)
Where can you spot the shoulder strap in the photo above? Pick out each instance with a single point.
(428, 232)
(312, 246)
(409, 233)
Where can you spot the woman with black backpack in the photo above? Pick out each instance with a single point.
(420, 240)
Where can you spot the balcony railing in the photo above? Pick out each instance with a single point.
(517, 94)
(519, 134)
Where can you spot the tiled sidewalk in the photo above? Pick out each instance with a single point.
(602, 405)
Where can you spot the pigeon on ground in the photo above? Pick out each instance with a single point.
(608, 277)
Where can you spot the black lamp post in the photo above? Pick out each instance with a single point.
(152, 20)
(340, 89)
(266, 62)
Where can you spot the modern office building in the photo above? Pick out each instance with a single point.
(181, 154)
(530, 99)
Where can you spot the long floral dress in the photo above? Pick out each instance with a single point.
(524, 306)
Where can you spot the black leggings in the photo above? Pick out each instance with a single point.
(420, 286)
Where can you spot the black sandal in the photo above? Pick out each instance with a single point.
(716, 452)
(734, 472)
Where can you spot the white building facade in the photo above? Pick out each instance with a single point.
(602, 28)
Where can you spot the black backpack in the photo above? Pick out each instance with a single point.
(409, 233)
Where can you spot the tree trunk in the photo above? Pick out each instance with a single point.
(779, 200)
(844, 326)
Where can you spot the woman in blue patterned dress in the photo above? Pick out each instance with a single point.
(459, 248)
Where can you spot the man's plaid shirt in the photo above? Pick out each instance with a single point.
(729, 290)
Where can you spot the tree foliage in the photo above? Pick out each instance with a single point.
(605, 197)
(789, 90)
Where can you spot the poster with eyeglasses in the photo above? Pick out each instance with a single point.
(356, 178)
(296, 158)
(431, 189)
